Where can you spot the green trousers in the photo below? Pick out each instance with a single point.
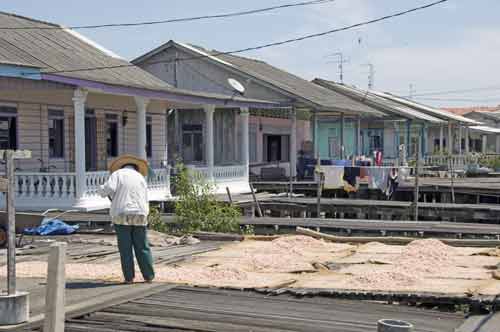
(134, 239)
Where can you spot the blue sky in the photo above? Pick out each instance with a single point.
(453, 46)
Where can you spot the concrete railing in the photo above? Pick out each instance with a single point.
(457, 161)
(45, 186)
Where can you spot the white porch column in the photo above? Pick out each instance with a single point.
(165, 149)
(358, 137)
(209, 143)
(342, 129)
(79, 98)
(467, 149)
(485, 143)
(450, 138)
(142, 105)
(441, 139)
(245, 148)
(460, 140)
(293, 143)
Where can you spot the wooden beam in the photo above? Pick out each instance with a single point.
(17, 154)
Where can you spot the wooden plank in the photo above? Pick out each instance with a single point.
(18, 154)
(485, 323)
(377, 225)
(4, 184)
(206, 309)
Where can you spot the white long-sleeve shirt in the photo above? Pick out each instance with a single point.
(128, 191)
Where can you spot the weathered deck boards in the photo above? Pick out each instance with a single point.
(489, 185)
(485, 323)
(379, 227)
(389, 210)
(191, 309)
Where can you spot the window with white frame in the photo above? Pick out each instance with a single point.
(8, 127)
(112, 135)
(56, 133)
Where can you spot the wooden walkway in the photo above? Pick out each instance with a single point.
(195, 309)
(268, 225)
(387, 210)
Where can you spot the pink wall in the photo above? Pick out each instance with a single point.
(278, 126)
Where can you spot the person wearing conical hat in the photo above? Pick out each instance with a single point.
(127, 190)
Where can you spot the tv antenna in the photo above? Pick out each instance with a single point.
(371, 75)
(340, 60)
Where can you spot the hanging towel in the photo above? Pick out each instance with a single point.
(378, 178)
(333, 176)
(392, 183)
(351, 175)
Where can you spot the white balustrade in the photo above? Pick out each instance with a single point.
(41, 191)
(45, 185)
(457, 161)
(159, 180)
(94, 181)
(228, 172)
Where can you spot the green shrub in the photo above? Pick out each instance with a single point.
(197, 208)
(154, 220)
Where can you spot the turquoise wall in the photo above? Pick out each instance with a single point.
(329, 131)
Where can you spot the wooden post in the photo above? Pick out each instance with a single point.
(11, 229)
(229, 195)
(452, 180)
(56, 284)
(259, 210)
(319, 193)
(416, 189)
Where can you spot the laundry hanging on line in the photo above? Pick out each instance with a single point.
(333, 177)
(351, 175)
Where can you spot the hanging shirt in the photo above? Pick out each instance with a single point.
(128, 192)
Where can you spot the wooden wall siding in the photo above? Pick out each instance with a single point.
(158, 133)
(35, 92)
(31, 122)
(102, 154)
(69, 121)
(33, 99)
(201, 75)
(225, 140)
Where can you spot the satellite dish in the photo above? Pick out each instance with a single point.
(237, 86)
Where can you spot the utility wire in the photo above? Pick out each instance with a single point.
(177, 20)
(439, 93)
(478, 100)
(254, 48)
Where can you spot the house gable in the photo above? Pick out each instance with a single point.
(204, 75)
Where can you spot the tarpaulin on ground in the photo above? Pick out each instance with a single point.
(52, 227)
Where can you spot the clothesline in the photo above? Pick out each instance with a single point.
(388, 167)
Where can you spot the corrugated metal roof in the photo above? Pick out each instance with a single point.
(448, 116)
(384, 105)
(295, 86)
(65, 53)
(57, 50)
(486, 129)
(492, 115)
